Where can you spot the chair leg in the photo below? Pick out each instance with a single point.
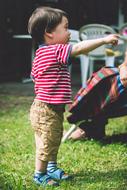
(91, 66)
(110, 61)
(84, 61)
(70, 68)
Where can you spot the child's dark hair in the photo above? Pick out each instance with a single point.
(44, 19)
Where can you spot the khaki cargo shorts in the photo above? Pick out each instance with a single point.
(47, 122)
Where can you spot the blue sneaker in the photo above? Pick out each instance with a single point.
(44, 180)
(58, 174)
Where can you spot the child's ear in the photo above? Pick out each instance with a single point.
(49, 35)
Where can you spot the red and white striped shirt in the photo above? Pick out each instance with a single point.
(51, 75)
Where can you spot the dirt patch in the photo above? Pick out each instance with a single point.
(16, 88)
(16, 94)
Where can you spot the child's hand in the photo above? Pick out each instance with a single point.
(111, 39)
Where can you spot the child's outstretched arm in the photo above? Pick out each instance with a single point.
(88, 45)
(123, 71)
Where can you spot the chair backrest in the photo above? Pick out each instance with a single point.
(123, 29)
(94, 31)
(74, 36)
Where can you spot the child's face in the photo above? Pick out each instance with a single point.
(61, 33)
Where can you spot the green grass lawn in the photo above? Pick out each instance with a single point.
(95, 165)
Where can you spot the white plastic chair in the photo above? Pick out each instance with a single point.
(94, 31)
(84, 72)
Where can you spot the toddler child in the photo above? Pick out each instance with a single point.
(49, 29)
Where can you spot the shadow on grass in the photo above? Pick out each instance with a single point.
(93, 176)
(6, 183)
(12, 182)
(118, 138)
(83, 177)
